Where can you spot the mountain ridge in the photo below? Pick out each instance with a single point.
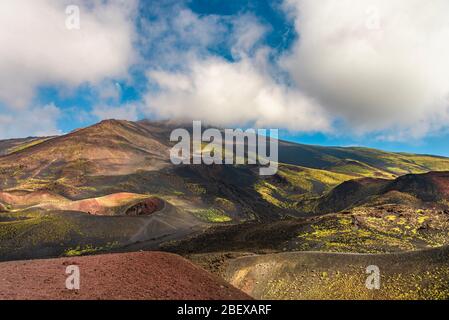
(311, 156)
(112, 187)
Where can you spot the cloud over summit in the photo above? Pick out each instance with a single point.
(378, 64)
(362, 67)
(370, 65)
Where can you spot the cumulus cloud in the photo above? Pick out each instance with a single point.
(372, 65)
(176, 33)
(248, 32)
(37, 49)
(362, 66)
(37, 121)
(109, 91)
(200, 85)
(377, 64)
(239, 93)
(124, 112)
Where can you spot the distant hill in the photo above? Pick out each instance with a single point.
(360, 161)
(430, 188)
(114, 146)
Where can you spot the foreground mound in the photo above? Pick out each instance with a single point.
(142, 276)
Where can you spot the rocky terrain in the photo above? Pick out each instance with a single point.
(112, 188)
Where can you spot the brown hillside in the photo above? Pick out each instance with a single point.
(139, 276)
(430, 187)
(350, 193)
(433, 186)
(109, 148)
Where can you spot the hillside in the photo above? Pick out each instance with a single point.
(432, 188)
(113, 148)
(133, 276)
(15, 145)
(112, 188)
(361, 161)
(316, 276)
(108, 148)
(83, 186)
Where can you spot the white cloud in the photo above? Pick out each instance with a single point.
(374, 65)
(125, 112)
(37, 121)
(109, 91)
(194, 84)
(248, 32)
(240, 93)
(176, 33)
(37, 49)
(378, 64)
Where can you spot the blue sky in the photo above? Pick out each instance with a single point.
(243, 63)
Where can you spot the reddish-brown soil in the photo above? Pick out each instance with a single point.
(112, 204)
(140, 276)
(146, 207)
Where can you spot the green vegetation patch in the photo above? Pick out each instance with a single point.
(196, 189)
(33, 229)
(89, 249)
(306, 178)
(272, 194)
(225, 204)
(26, 145)
(376, 230)
(212, 215)
(350, 285)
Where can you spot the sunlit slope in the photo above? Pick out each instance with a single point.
(409, 189)
(108, 148)
(15, 145)
(310, 171)
(359, 161)
(417, 275)
(122, 156)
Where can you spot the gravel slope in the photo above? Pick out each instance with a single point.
(141, 276)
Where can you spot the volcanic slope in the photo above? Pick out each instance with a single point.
(137, 276)
(361, 161)
(117, 148)
(410, 189)
(77, 171)
(313, 275)
(15, 145)
(108, 148)
(360, 216)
